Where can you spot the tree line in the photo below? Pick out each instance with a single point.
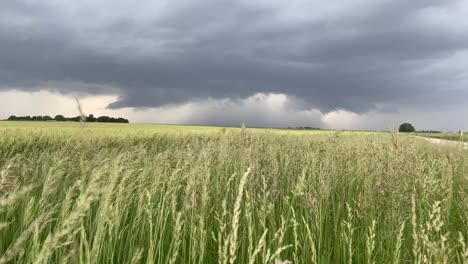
(409, 128)
(61, 118)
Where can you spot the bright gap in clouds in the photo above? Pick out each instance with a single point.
(260, 110)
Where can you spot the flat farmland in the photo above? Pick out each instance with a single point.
(134, 193)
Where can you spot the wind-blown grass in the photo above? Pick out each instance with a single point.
(137, 195)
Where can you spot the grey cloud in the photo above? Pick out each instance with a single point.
(259, 110)
(355, 55)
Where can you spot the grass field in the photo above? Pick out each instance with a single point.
(172, 194)
(447, 136)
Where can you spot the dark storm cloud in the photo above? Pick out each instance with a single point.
(354, 55)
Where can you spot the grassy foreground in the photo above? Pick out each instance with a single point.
(151, 194)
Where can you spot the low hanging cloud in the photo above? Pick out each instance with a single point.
(263, 110)
(357, 56)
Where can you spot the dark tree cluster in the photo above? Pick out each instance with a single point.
(61, 118)
(31, 118)
(106, 119)
(429, 131)
(307, 128)
(406, 128)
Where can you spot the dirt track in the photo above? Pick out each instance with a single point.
(445, 142)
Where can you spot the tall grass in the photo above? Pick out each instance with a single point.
(70, 195)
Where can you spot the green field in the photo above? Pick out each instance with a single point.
(447, 136)
(125, 193)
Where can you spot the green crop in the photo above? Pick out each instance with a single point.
(119, 193)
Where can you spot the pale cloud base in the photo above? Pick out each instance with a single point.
(43, 102)
(259, 110)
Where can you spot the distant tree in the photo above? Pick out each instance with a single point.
(406, 128)
(91, 118)
(103, 119)
(429, 131)
(60, 118)
(122, 120)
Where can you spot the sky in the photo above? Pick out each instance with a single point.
(351, 64)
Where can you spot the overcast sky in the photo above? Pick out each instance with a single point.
(357, 64)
